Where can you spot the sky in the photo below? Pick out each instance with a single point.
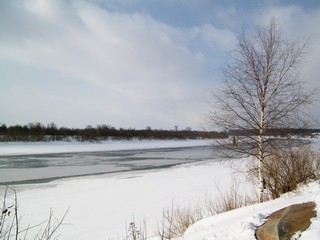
(132, 63)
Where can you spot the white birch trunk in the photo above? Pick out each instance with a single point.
(261, 153)
(260, 169)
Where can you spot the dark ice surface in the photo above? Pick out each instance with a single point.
(39, 168)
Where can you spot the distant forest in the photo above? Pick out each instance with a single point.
(51, 132)
(39, 132)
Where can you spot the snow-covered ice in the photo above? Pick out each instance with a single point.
(20, 148)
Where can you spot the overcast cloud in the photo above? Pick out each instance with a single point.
(128, 63)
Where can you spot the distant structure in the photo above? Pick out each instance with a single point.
(235, 141)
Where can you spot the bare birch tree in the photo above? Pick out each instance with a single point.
(262, 90)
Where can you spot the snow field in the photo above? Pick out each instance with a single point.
(102, 206)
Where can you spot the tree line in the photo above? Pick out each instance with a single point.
(51, 132)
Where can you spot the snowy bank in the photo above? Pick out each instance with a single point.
(242, 223)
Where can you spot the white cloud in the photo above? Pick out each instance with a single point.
(134, 65)
(214, 37)
(300, 25)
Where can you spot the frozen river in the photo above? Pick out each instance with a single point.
(45, 167)
(138, 179)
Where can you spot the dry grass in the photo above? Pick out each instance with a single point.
(176, 220)
(135, 232)
(228, 200)
(288, 167)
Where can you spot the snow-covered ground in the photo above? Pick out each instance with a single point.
(102, 206)
(241, 223)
